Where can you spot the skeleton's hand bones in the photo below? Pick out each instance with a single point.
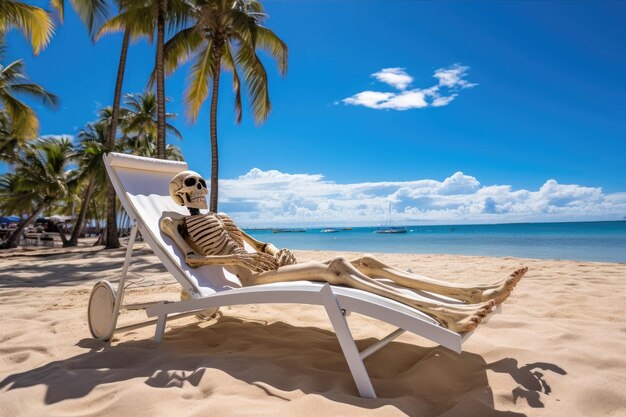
(257, 262)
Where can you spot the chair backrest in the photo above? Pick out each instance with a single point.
(142, 187)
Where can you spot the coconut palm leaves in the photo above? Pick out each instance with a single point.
(226, 33)
(143, 18)
(41, 178)
(10, 144)
(92, 12)
(91, 172)
(34, 22)
(140, 124)
(14, 82)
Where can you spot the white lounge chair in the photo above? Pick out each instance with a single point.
(142, 187)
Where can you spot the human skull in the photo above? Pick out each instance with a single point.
(189, 189)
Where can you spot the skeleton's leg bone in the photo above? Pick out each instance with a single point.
(497, 291)
(339, 271)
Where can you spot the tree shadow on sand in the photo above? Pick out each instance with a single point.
(280, 358)
(531, 380)
(31, 275)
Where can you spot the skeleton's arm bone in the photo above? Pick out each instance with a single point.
(258, 245)
(170, 228)
(194, 260)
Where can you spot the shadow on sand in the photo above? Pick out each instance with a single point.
(92, 268)
(414, 379)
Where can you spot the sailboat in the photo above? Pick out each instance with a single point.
(389, 228)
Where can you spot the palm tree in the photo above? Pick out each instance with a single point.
(130, 27)
(136, 18)
(13, 80)
(143, 18)
(226, 33)
(40, 179)
(140, 124)
(93, 145)
(34, 22)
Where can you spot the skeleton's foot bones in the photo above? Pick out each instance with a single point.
(501, 291)
(498, 292)
(461, 321)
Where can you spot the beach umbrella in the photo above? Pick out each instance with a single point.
(9, 219)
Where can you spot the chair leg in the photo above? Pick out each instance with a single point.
(346, 341)
(119, 295)
(160, 328)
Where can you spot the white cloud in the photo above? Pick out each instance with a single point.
(442, 101)
(273, 198)
(453, 76)
(450, 81)
(371, 99)
(414, 99)
(395, 77)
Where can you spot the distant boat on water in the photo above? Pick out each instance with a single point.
(329, 230)
(349, 228)
(389, 229)
(289, 230)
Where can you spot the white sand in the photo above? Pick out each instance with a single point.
(558, 349)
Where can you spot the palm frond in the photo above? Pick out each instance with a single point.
(256, 80)
(268, 41)
(24, 119)
(13, 71)
(170, 128)
(34, 22)
(173, 153)
(229, 64)
(179, 14)
(198, 77)
(137, 19)
(36, 91)
(180, 48)
(92, 12)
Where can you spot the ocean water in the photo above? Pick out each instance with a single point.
(584, 241)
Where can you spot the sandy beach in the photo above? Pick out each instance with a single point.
(557, 349)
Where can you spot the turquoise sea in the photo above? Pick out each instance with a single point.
(584, 241)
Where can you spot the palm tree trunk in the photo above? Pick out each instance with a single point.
(214, 157)
(112, 240)
(14, 238)
(81, 215)
(62, 235)
(160, 73)
(118, 90)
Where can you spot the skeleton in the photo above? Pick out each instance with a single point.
(214, 239)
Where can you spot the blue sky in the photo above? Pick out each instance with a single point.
(456, 112)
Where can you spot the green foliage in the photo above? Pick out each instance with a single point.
(139, 125)
(22, 119)
(34, 22)
(227, 34)
(41, 176)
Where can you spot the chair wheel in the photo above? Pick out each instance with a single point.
(100, 311)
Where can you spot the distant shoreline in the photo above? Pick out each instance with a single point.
(602, 241)
(318, 226)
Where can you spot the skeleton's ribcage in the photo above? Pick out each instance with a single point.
(214, 234)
